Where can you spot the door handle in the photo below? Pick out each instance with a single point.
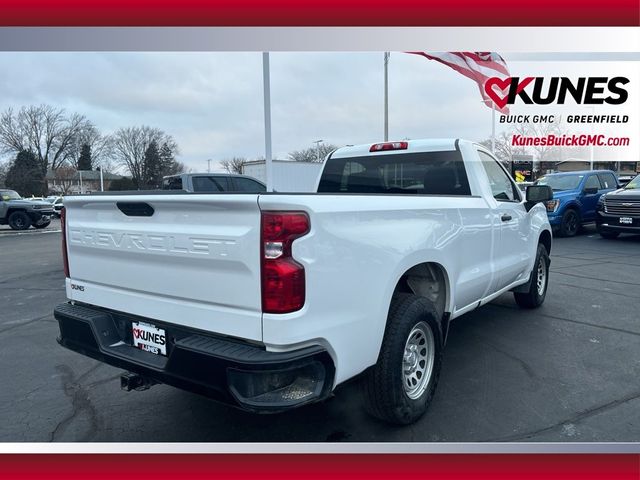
(505, 217)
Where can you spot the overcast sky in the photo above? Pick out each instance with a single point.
(212, 102)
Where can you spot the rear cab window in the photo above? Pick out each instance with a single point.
(247, 185)
(210, 184)
(420, 173)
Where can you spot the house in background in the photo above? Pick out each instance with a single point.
(66, 181)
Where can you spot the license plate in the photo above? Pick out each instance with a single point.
(626, 221)
(149, 338)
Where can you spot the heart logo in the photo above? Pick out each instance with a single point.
(498, 94)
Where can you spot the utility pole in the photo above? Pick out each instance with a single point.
(101, 180)
(267, 120)
(81, 189)
(318, 142)
(208, 165)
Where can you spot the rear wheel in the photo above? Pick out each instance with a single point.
(19, 221)
(570, 223)
(538, 283)
(399, 388)
(609, 235)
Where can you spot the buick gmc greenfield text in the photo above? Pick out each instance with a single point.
(269, 301)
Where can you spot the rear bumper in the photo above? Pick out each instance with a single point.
(238, 374)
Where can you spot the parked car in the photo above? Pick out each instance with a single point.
(213, 182)
(277, 299)
(21, 213)
(575, 196)
(57, 202)
(619, 211)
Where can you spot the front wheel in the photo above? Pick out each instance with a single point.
(399, 388)
(538, 283)
(19, 221)
(570, 223)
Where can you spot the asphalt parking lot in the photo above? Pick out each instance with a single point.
(567, 372)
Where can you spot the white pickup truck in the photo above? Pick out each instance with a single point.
(269, 301)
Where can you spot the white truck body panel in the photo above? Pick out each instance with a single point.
(196, 261)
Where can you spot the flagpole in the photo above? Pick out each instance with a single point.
(493, 128)
(386, 96)
(267, 120)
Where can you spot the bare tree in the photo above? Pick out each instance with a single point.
(233, 165)
(503, 147)
(312, 154)
(99, 144)
(65, 177)
(46, 131)
(128, 147)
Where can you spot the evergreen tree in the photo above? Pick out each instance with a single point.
(84, 161)
(170, 166)
(152, 167)
(25, 175)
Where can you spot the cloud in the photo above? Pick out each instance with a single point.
(212, 102)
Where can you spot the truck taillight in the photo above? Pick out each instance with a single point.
(283, 280)
(63, 226)
(381, 147)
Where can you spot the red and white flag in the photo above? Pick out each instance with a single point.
(478, 66)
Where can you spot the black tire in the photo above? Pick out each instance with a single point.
(19, 221)
(385, 394)
(535, 296)
(609, 235)
(570, 225)
(43, 225)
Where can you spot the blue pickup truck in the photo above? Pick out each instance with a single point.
(575, 197)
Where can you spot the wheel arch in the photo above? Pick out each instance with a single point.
(545, 239)
(430, 280)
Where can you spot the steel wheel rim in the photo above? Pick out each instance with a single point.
(418, 360)
(541, 280)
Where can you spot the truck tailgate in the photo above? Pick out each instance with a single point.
(191, 260)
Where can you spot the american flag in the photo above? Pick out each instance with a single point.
(478, 66)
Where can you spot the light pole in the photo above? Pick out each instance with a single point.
(318, 142)
(101, 179)
(208, 165)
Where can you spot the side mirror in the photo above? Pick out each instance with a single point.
(590, 191)
(539, 193)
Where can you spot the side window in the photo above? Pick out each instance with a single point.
(173, 183)
(502, 187)
(607, 180)
(592, 182)
(209, 184)
(247, 185)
